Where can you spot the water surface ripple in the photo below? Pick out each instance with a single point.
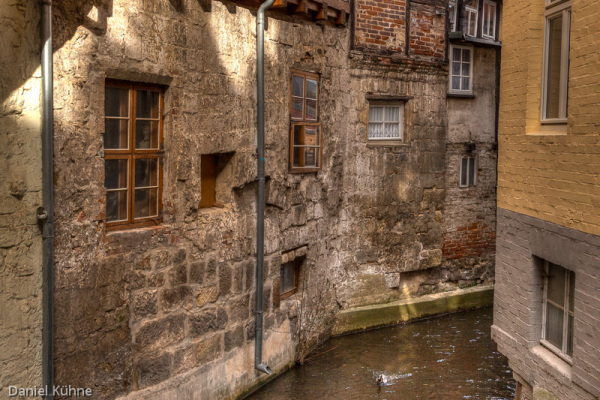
(450, 357)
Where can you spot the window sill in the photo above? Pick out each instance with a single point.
(387, 143)
(556, 365)
(550, 130)
(134, 233)
(461, 95)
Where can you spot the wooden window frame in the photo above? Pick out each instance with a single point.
(401, 112)
(297, 263)
(563, 351)
(294, 122)
(553, 10)
(131, 154)
(468, 91)
(469, 12)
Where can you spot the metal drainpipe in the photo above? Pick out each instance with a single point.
(260, 207)
(46, 212)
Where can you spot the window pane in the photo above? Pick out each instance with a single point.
(311, 89)
(570, 336)
(392, 131)
(463, 171)
(465, 83)
(571, 291)
(146, 104)
(288, 277)
(297, 86)
(556, 284)
(554, 325)
(146, 134)
(311, 110)
(146, 172)
(116, 102)
(392, 114)
(298, 157)
(115, 174)
(455, 68)
(466, 69)
(310, 157)
(116, 206)
(146, 203)
(471, 171)
(297, 108)
(376, 114)
(375, 130)
(116, 133)
(456, 54)
(553, 59)
(456, 82)
(311, 137)
(466, 55)
(298, 135)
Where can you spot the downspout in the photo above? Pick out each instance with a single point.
(260, 207)
(46, 212)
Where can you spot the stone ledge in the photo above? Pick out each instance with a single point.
(379, 315)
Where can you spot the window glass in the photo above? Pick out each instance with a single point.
(559, 299)
(554, 65)
(288, 277)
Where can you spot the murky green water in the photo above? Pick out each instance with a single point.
(451, 357)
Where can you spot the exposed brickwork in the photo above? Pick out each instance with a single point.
(474, 240)
(380, 25)
(427, 31)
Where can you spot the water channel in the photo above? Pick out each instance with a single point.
(450, 357)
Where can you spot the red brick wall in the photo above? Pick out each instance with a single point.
(380, 25)
(472, 240)
(427, 31)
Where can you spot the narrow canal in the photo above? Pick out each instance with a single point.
(451, 357)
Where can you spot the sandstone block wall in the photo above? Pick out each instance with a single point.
(20, 196)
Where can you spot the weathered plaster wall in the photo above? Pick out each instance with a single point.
(20, 195)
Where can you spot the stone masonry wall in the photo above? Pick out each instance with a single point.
(20, 196)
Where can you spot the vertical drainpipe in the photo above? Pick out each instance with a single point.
(46, 212)
(260, 207)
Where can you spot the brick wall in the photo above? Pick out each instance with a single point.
(380, 25)
(427, 31)
(550, 174)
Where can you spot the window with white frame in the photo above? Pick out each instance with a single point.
(489, 19)
(467, 172)
(470, 20)
(386, 121)
(558, 309)
(452, 14)
(461, 70)
(555, 84)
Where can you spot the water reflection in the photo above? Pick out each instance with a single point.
(452, 357)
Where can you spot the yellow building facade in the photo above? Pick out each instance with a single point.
(547, 301)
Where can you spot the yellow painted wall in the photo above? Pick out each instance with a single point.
(550, 173)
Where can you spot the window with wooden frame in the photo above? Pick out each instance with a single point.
(461, 70)
(305, 130)
(558, 310)
(133, 137)
(289, 277)
(555, 80)
(386, 121)
(488, 28)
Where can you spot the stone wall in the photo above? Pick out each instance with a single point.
(522, 241)
(20, 196)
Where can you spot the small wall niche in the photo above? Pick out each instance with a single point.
(215, 179)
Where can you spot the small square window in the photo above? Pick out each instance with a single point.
(471, 14)
(461, 70)
(208, 180)
(289, 278)
(132, 154)
(558, 309)
(386, 121)
(467, 172)
(305, 132)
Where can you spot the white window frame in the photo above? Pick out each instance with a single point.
(562, 352)
(554, 8)
(469, 165)
(469, 12)
(492, 23)
(400, 122)
(452, 15)
(451, 59)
